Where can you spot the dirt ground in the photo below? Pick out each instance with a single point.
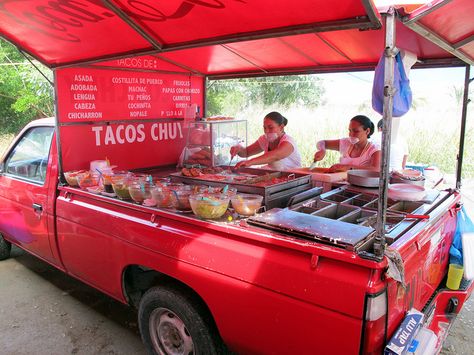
(43, 311)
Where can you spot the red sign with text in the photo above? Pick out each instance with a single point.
(135, 119)
(87, 94)
(126, 145)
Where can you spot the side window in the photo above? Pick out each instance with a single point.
(29, 158)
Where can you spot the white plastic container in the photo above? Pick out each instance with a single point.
(468, 255)
(424, 343)
(98, 164)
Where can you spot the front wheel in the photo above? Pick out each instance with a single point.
(175, 323)
(5, 248)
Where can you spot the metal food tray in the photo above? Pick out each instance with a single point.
(313, 227)
(276, 195)
(366, 205)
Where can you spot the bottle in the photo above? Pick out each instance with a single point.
(197, 115)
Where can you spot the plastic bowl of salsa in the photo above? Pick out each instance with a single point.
(140, 192)
(246, 204)
(71, 177)
(120, 187)
(88, 180)
(162, 195)
(209, 206)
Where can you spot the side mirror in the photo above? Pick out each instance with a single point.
(2, 166)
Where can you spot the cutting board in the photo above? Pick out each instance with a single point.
(321, 174)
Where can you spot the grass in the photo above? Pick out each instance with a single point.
(432, 134)
(432, 137)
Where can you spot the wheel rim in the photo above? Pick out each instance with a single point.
(169, 334)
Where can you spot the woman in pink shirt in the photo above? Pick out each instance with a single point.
(278, 148)
(357, 152)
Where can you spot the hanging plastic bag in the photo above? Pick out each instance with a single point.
(463, 225)
(402, 94)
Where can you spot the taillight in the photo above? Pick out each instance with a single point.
(374, 331)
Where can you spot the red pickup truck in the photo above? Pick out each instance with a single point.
(210, 287)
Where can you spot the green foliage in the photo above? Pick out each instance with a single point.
(24, 93)
(234, 96)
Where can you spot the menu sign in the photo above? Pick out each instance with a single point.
(86, 94)
(134, 119)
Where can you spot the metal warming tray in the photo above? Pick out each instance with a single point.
(310, 226)
(274, 195)
(396, 222)
(365, 178)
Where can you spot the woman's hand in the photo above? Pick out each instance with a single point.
(336, 168)
(242, 164)
(235, 150)
(319, 155)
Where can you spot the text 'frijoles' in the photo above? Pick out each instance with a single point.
(121, 134)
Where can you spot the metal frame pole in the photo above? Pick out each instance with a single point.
(465, 101)
(389, 53)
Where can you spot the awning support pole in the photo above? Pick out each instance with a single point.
(465, 102)
(389, 53)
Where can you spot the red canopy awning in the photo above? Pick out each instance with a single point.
(449, 24)
(216, 38)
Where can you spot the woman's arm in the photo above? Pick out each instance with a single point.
(375, 161)
(244, 152)
(373, 166)
(283, 151)
(323, 145)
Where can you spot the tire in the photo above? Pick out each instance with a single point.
(172, 322)
(5, 248)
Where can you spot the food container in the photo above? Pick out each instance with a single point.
(180, 199)
(107, 175)
(209, 205)
(161, 180)
(139, 192)
(120, 186)
(407, 176)
(364, 178)
(98, 164)
(88, 180)
(163, 196)
(140, 178)
(71, 177)
(246, 204)
(229, 191)
(406, 192)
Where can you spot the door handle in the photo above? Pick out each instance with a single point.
(37, 207)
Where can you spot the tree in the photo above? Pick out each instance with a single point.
(283, 91)
(24, 93)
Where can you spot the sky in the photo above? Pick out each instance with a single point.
(356, 87)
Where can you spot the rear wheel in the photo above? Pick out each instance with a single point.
(175, 323)
(5, 248)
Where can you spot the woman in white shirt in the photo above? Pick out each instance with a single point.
(398, 149)
(357, 152)
(279, 149)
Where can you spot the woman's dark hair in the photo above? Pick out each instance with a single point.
(379, 124)
(277, 117)
(365, 122)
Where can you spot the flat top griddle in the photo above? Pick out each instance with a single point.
(308, 226)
